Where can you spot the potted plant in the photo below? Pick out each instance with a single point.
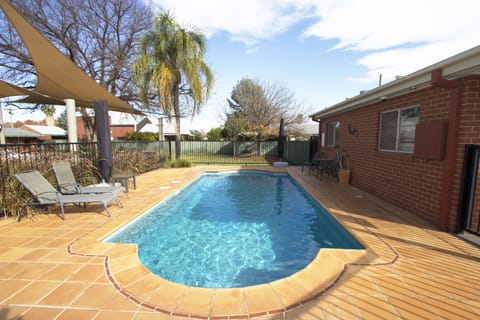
(344, 167)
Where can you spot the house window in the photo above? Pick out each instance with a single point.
(333, 129)
(397, 129)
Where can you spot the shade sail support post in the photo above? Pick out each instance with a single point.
(71, 121)
(102, 127)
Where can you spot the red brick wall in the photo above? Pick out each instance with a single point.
(81, 132)
(121, 131)
(409, 182)
(116, 131)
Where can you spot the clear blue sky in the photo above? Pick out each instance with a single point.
(322, 50)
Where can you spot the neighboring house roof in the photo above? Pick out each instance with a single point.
(168, 128)
(305, 129)
(248, 133)
(458, 66)
(46, 130)
(20, 133)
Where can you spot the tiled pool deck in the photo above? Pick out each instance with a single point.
(54, 269)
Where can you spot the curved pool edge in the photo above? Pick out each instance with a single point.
(134, 281)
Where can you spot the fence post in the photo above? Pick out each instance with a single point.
(170, 149)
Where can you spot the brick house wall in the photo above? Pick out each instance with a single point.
(403, 179)
(121, 131)
(19, 140)
(116, 131)
(81, 129)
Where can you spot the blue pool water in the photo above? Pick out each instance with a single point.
(234, 229)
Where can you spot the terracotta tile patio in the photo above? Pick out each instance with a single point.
(54, 269)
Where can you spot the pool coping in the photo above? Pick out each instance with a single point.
(134, 281)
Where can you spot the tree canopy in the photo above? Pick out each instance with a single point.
(171, 72)
(215, 134)
(256, 108)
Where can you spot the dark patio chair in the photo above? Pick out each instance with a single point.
(328, 166)
(313, 163)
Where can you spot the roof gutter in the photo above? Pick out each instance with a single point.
(449, 164)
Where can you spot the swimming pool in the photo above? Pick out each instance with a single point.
(234, 229)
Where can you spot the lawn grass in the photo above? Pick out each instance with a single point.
(209, 158)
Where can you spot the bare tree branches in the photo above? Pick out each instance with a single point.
(258, 107)
(98, 35)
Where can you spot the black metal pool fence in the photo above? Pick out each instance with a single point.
(134, 157)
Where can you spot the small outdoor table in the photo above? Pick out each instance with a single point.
(123, 179)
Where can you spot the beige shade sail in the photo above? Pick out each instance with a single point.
(58, 77)
(8, 90)
(11, 90)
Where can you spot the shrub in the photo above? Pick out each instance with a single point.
(14, 197)
(143, 136)
(179, 163)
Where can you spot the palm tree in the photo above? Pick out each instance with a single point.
(170, 66)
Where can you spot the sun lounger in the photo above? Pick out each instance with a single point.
(67, 184)
(43, 193)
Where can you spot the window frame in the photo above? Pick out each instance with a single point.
(398, 129)
(334, 140)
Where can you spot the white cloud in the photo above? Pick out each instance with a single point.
(403, 61)
(248, 21)
(379, 24)
(398, 37)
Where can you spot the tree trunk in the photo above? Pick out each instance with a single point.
(176, 124)
(88, 125)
